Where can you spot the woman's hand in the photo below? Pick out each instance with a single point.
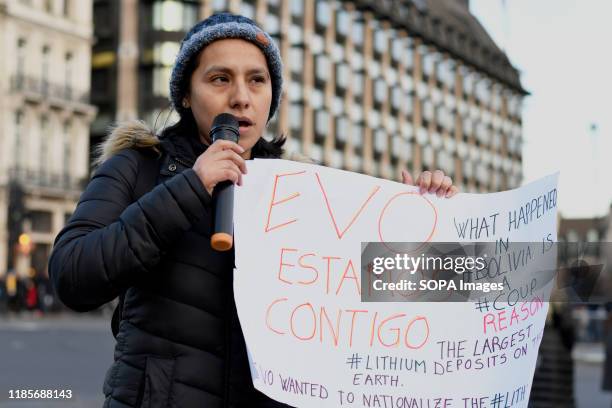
(220, 162)
(435, 182)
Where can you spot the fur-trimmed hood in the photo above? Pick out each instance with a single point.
(137, 134)
(126, 135)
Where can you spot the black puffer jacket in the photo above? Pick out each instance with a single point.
(179, 343)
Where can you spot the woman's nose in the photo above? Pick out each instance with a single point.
(240, 98)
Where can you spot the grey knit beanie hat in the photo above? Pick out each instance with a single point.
(218, 27)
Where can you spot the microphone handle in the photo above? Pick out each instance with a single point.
(223, 209)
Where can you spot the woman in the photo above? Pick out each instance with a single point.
(179, 342)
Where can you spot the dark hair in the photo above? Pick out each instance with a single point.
(188, 126)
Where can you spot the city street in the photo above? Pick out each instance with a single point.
(70, 352)
(73, 352)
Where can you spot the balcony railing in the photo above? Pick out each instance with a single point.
(46, 89)
(41, 179)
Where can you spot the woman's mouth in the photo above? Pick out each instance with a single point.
(245, 124)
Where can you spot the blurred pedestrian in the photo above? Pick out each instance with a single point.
(606, 384)
(3, 295)
(13, 291)
(31, 295)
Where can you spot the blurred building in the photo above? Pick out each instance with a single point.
(45, 116)
(589, 240)
(371, 86)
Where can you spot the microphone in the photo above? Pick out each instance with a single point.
(225, 127)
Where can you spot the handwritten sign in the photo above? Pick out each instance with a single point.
(312, 342)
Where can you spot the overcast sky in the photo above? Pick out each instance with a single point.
(559, 48)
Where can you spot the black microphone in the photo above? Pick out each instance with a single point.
(225, 127)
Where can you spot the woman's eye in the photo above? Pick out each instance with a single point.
(261, 79)
(219, 79)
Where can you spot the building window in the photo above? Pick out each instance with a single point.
(316, 99)
(381, 42)
(45, 69)
(164, 53)
(220, 5)
(321, 125)
(468, 168)
(428, 110)
(67, 8)
(172, 15)
(295, 113)
(398, 147)
(317, 44)
(295, 34)
(422, 136)
(297, 8)
(18, 139)
(391, 76)
(337, 105)
(342, 22)
(428, 156)
(41, 221)
(272, 24)
(341, 129)
(592, 235)
(428, 64)
(407, 131)
(357, 84)
(483, 92)
(467, 127)
(375, 69)
(445, 162)
(322, 67)
(297, 59)
(67, 156)
(44, 144)
(356, 113)
(392, 124)
(408, 56)
(357, 137)
(380, 91)
(380, 141)
(21, 58)
(406, 82)
(357, 33)
(68, 74)
(356, 163)
(357, 62)
(374, 121)
(342, 74)
(397, 49)
(322, 13)
(338, 52)
(247, 10)
(444, 72)
(316, 153)
(468, 84)
(161, 78)
(337, 159)
(163, 58)
(295, 91)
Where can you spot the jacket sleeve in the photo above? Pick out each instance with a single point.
(110, 242)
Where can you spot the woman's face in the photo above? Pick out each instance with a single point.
(232, 76)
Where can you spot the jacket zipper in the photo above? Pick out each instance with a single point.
(228, 342)
(228, 321)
